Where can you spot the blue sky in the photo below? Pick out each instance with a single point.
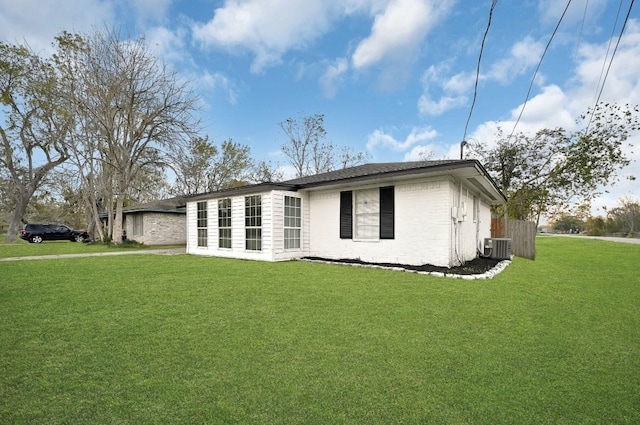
(394, 78)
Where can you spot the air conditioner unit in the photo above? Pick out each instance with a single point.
(498, 248)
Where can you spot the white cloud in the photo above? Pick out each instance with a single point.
(417, 135)
(622, 83)
(551, 10)
(434, 76)
(523, 55)
(38, 22)
(151, 10)
(549, 109)
(555, 106)
(422, 153)
(332, 76)
(167, 45)
(267, 29)
(399, 29)
(428, 106)
(462, 82)
(218, 81)
(455, 91)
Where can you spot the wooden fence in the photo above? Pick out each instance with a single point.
(521, 233)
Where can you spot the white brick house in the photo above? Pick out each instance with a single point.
(426, 212)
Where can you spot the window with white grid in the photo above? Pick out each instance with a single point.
(201, 223)
(253, 222)
(292, 222)
(224, 223)
(367, 214)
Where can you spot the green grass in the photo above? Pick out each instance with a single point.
(22, 248)
(185, 339)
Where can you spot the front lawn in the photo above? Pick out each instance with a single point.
(185, 339)
(22, 248)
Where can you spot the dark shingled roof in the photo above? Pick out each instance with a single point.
(354, 174)
(174, 205)
(373, 170)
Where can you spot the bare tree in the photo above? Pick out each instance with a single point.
(34, 138)
(306, 151)
(133, 110)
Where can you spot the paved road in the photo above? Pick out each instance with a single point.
(602, 238)
(172, 251)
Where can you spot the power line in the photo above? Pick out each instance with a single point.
(538, 68)
(624, 25)
(584, 17)
(604, 62)
(475, 89)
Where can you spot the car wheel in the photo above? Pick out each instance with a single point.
(79, 238)
(36, 239)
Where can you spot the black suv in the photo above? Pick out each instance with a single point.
(36, 233)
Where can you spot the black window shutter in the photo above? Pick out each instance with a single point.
(346, 215)
(386, 212)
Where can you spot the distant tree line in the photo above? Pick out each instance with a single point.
(623, 219)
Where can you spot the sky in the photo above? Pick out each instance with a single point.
(393, 78)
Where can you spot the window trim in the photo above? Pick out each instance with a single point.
(224, 206)
(297, 224)
(253, 222)
(202, 225)
(138, 224)
(359, 217)
(386, 214)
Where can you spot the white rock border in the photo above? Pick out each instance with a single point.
(498, 268)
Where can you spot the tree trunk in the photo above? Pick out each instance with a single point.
(117, 222)
(15, 225)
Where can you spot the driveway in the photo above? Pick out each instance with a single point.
(171, 251)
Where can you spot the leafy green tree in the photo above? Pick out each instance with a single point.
(626, 214)
(549, 171)
(569, 224)
(595, 226)
(202, 166)
(34, 138)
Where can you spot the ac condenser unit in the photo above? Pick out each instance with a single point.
(498, 248)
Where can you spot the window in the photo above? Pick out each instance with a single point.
(201, 223)
(370, 214)
(224, 223)
(138, 227)
(253, 222)
(367, 214)
(292, 222)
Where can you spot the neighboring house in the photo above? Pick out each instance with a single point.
(426, 212)
(160, 222)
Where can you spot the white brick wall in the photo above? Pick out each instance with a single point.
(422, 226)
(425, 232)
